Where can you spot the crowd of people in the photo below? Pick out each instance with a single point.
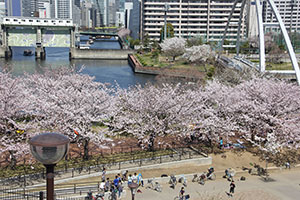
(115, 186)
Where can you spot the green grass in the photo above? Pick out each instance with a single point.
(146, 59)
(272, 66)
(283, 66)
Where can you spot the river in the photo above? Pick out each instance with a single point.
(106, 71)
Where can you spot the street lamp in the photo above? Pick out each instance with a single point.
(167, 6)
(133, 188)
(49, 149)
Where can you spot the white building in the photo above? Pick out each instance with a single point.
(44, 9)
(2, 10)
(205, 18)
(62, 9)
(120, 19)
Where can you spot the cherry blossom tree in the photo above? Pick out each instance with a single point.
(266, 113)
(13, 108)
(70, 103)
(199, 54)
(152, 111)
(173, 47)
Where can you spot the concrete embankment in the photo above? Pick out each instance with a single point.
(137, 67)
(101, 54)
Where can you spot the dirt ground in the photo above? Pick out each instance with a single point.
(219, 161)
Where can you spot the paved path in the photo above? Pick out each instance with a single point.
(285, 186)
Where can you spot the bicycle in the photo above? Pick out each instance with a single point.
(204, 177)
(154, 185)
(90, 196)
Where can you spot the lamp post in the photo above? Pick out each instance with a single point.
(133, 188)
(166, 10)
(49, 149)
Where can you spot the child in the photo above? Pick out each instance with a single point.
(231, 190)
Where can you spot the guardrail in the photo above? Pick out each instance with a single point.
(247, 62)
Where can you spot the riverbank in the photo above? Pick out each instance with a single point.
(190, 72)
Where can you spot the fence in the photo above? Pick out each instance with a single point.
(23, 194)
(112, 160)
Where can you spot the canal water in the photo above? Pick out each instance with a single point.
(106, 71)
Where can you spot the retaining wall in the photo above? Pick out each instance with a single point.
(102, 54)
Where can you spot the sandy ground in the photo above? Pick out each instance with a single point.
(220, 162)
(284, 184)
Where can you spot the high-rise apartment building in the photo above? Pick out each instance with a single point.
(62, 9)
(289, 11)
(206, 18)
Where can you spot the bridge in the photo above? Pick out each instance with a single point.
(36, 32)
(41, 33)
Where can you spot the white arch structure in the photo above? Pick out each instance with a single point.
(262, 56)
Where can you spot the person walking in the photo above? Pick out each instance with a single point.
(102, 186)
(107, 185)
(120, 188)
(181, 193)
(134, 178)
(129, 179)
(140, 180)
(231, 189)
(103, 173)
(221, 143)
(116, 181)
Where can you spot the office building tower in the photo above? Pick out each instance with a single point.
(111, 12)
(76, 15)
(120, 19)
(134, 20)
(2, 10)
(13, 7)
(102, 7)
(77, 3)
(128, 9)
(86, 21)
(204, 18)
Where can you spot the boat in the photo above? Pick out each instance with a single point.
(91, 41)
(27, 52)
(84, 46)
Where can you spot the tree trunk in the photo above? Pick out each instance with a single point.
(151, 143)
(13, 160)
(86, 149)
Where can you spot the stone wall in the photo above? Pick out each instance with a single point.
(104, 54)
